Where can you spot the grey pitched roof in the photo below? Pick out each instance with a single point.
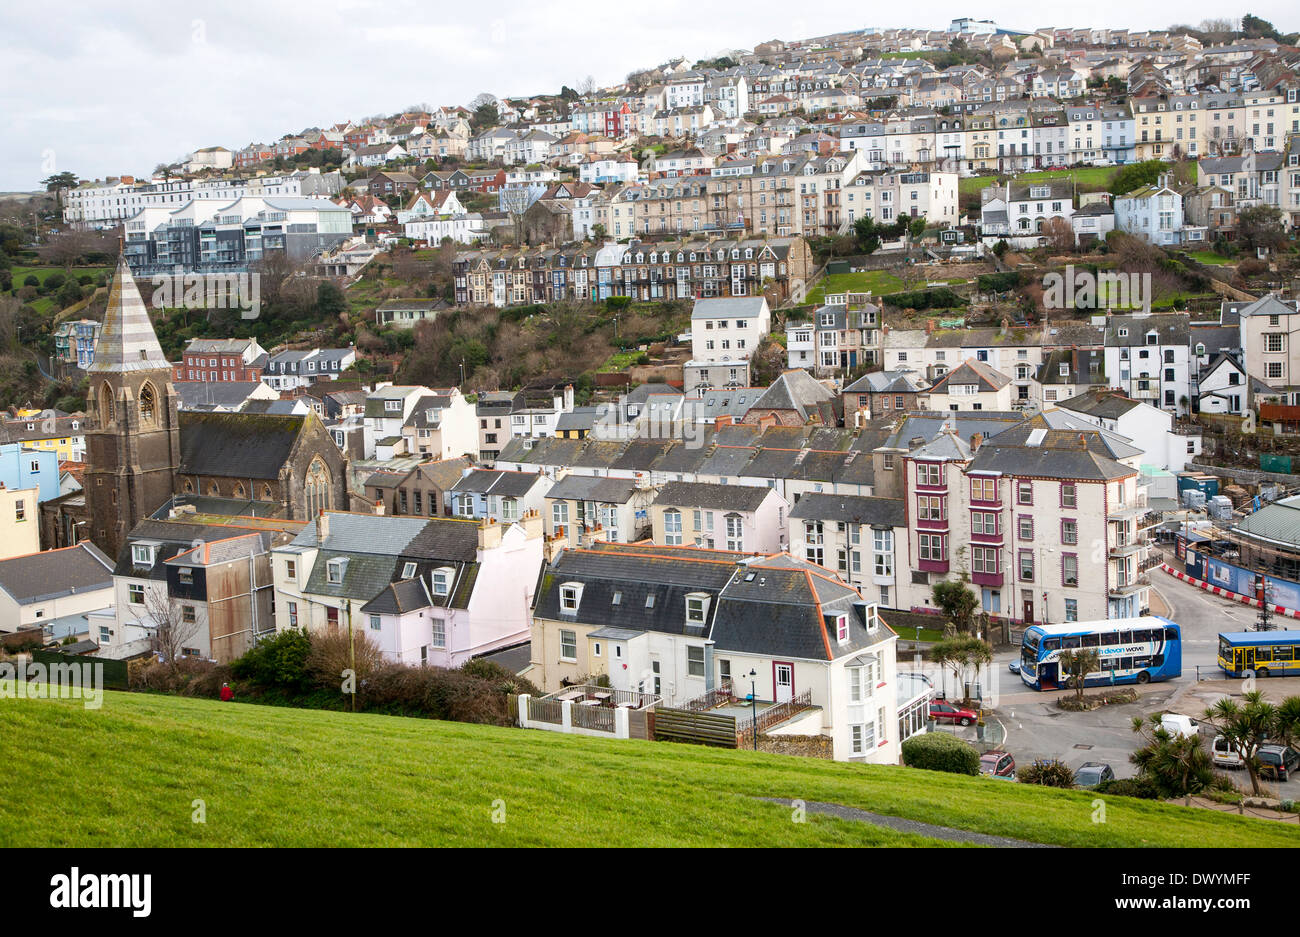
(713, 497)
(237, 445)
(1109, 405)
(851, 509)
(1170, 329)
(36, 577)
(592, 488)
(1021, 461)
(970, 371)
(399, 598)
(364, 574)
(488, 481)
(363, 533)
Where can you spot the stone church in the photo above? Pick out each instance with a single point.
(143, 455)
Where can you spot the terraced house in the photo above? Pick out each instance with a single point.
(681, 622)
(644, 271)
(426, 591)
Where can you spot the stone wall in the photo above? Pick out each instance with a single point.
(809, 746)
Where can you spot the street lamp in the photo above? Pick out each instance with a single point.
(753, 703)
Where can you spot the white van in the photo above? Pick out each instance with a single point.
(1224, 755)
(1176, 724)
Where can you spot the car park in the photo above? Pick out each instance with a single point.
(1224, 755)
(998, 764)
(1092, 773)
(1277, 762)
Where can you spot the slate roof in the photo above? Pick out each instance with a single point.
(780, 607)
(36, 577)
(1022, 462)
(713, 497)
(970, 371)
(365, 575)
(487, 481)
(1171, 329)
(399, 598)
(1107, 405)
(592, 488)
(799, 391)
(851, 509)
(237, 445)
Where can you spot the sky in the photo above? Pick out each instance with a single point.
(117, 89)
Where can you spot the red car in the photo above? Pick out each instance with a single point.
(946, 712)
(997, 764)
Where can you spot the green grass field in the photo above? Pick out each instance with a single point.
(1210, 258)
(1088, 175)
(878, 282)
(129, 774)
(41, 273)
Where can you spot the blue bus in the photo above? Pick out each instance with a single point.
(1265, 653)
(1129, 650)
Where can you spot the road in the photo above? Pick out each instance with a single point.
(1037, 729)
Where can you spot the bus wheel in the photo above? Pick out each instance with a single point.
(1144, 677)
(1262, 672)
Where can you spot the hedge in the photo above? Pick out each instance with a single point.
(939, 751)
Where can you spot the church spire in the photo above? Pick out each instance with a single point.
(126, 340)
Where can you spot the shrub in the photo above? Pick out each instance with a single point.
(1252, 267)
(939, 751)
(331, 654)
(506, 681)
(279, 662)
(31, 280)
(1129, 787)
(185, 677)
(1048, 773)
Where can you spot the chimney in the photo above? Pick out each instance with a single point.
(1006, 324)
(929, 326)
(1083, 443)
(976, 440)
(322, 527)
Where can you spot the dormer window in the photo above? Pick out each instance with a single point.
(442, 580)
(570, 596)
(697, 608)
(334, 571)
(408, 571)
(841, 628)
(394, 405)
(142, 555)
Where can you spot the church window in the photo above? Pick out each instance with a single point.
(148, 403)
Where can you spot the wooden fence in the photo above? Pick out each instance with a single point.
(776, 714)
(680, 725)
(545, 710)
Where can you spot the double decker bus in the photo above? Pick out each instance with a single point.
(1129, 650)
(1263, 653)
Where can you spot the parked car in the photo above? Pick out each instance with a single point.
(943, 711)
(1277, 762)
(1014, 666)
(1092, 773)
(998, 764)
(1223, 754)
(1176, 724)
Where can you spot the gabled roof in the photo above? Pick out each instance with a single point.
(237, 445)
(713, 497)
(851, 509)
(970, 371)
(37, 577)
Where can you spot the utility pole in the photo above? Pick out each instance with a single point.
(352, 654)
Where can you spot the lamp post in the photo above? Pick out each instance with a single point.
(753, 703)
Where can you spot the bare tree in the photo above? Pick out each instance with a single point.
(587, 87)
(176, 624)
(1059, 234)
(515, 202)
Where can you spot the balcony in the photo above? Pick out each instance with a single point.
(1134, 584)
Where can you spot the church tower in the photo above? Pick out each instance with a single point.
(133, 448)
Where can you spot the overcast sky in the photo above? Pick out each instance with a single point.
(106, 90)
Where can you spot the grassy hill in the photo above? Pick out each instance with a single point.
(128, 774)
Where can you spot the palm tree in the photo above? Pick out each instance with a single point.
(1246, 727)
(1176, 764)
(1077, 665)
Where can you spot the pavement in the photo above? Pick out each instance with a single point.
(945, 833)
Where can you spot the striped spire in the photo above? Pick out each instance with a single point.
(127, 341)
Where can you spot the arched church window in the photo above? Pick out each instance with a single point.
(148, 403)
(105, 404)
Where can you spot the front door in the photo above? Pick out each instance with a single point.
(1047, 676)
(1027, 601)
(784, 674)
